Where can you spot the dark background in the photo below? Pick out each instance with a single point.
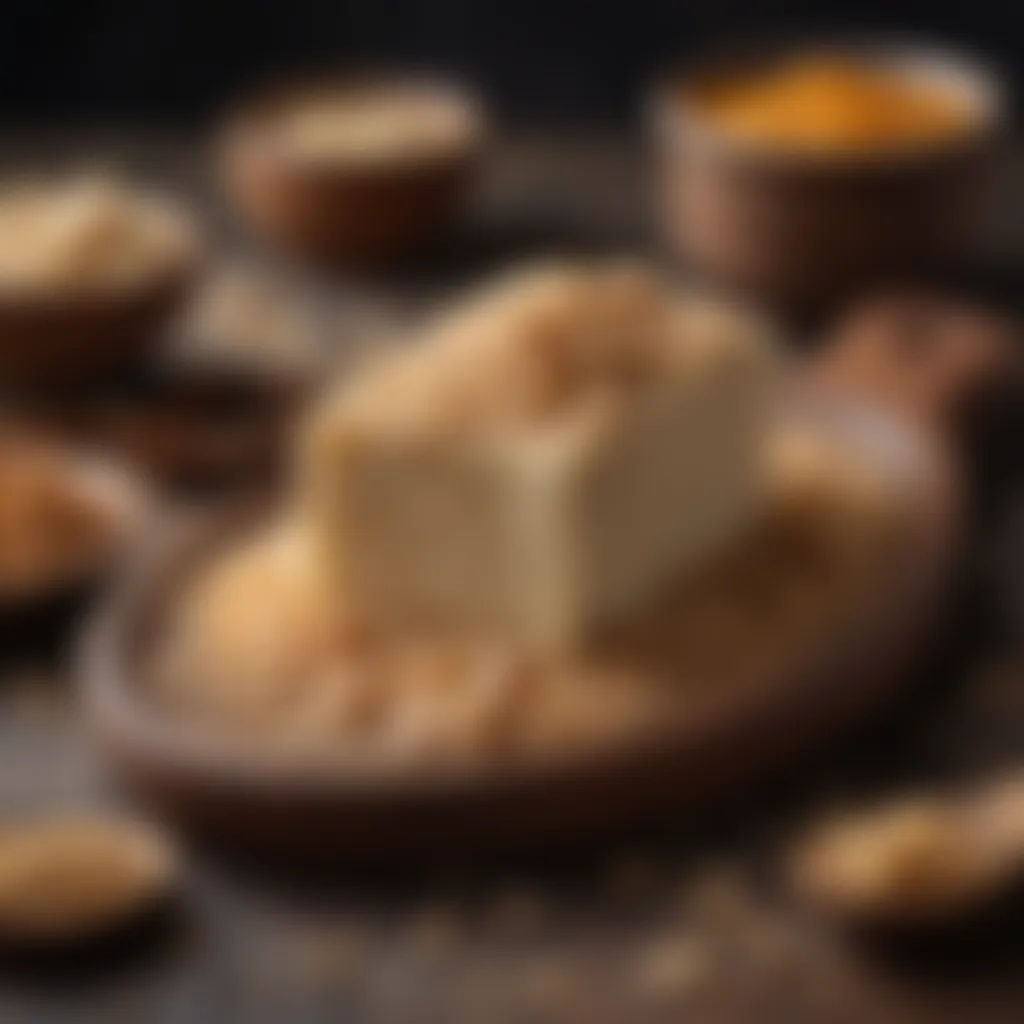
(537, 61)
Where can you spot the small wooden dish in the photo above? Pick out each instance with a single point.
(60, 338)
(187, 428)
(29, 610)
(801, 231)
(355, 215)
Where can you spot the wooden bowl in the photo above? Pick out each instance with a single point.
(321, 811)
(351, 214)
(31, 610)
(800, 231)
(61, 338)
(191, 430)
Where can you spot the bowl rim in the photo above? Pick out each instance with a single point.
(240, 129)
(677, 124)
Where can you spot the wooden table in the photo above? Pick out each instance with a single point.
(686, 925)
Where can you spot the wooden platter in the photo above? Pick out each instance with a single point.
(234, 795)
(891, 401)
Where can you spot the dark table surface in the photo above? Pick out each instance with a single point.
(651, 927)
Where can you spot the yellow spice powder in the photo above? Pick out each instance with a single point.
(831, 104)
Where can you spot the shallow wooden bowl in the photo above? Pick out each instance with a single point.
(59, 339)
(297, 810)
(343, 214)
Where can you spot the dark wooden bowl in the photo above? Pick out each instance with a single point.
(801, 232)
(192, 429)
(348, 215)
(56, 339)
(297, 810)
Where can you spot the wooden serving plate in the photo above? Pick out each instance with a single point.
(319, 811)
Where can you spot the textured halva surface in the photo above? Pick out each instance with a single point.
(552, 455)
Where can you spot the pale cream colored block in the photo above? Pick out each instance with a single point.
(546, 513)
